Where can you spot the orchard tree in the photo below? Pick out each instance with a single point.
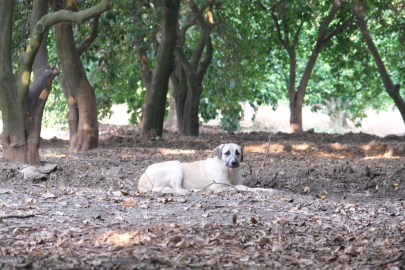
(246, 66)
(187, 81)
(79, 94)
(156, 81)
(290, 41)
(15, 97)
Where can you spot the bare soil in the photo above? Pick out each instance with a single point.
(339, 204)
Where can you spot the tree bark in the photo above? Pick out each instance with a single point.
(171, 120)
(179, 80)
(391, 88)
(79, 94)
(154, 106)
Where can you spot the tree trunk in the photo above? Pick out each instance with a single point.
(171, 120)
(154, 106)
(40, 88)
(391, 88)
(81, 98)
(322, 39)
(180, 94)
(296, 115)
(12, 105)
(190, 125)
(295, 104)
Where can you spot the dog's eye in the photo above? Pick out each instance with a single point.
(237, 153)
(227, 153)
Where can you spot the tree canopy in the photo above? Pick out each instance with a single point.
(255, 51)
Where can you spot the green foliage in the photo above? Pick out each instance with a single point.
(248, 65)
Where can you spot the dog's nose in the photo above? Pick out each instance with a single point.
(234, 163)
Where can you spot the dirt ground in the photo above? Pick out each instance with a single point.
(340, 204)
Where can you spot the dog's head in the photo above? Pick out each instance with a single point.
(231, 154)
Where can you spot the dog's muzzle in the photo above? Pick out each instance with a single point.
(232, 164)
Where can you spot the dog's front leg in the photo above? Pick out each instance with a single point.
(176, 182)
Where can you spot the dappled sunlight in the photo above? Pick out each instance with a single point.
(167, 151)
(25, 78)
(338, 146)
(373, 149)
(261, 148)
(53, 154)
(328, 155)
(71, 100)
(44, 94)
(114, 238)
(301, 147)
(294, 128)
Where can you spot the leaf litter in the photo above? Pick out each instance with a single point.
(87, 213)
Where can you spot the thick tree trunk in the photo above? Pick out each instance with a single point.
(180, 95)
(13, 106)
(296, 115)
(391, 88)
(154, 106)
(40, 88)
(38, 95)
(81, 98)
(190, 125)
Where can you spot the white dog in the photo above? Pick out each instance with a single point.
(215, 174)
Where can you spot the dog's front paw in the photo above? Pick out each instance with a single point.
(183, 191)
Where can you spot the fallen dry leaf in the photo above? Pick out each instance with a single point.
(48, 195)
(129, 203)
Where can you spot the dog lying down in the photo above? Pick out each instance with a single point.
(215, 174)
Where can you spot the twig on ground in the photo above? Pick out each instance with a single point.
(399, 258)
(23, 216)
(213, 183)
(15, 227)
(267, 152)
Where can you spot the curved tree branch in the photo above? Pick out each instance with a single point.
(282, 41)
(391, 88)
(295, 41)
(27, 59)
(204, 35)
(339, 29)
(202, 69)
(91, 37)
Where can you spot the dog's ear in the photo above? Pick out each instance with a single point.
(218, 151)
(241, 154)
